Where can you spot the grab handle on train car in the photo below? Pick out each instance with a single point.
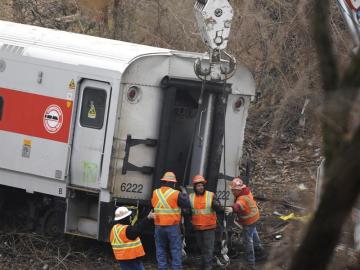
(127, 166)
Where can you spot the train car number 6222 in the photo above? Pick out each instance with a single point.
(130, 187)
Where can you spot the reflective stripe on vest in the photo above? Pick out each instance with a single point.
(162, 206)
(167, 211)
(203, 216)
(123, 248)
(250, 211)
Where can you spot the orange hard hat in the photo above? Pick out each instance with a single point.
(169, 177)
(198, 179)
(237, 183)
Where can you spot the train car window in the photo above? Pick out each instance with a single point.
(1, 107)
(93, 108)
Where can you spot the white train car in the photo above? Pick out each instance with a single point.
(88, 123)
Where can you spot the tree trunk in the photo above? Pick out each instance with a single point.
(341, 150)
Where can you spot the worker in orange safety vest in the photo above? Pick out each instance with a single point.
(204, 206)
(125, 241)
(247, 212)
(167, 203)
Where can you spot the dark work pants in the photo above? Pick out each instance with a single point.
(131, 265)
(205, 240)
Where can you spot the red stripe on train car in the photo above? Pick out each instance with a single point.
(35, 115)
(350, 5)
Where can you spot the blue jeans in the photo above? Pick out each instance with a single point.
(131, 265)
(251, 242)
(168, 238)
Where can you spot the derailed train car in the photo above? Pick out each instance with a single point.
(88, 124)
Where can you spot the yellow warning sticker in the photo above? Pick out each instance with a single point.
(92, 111)
(72, 84)
(26, 149)
(68, 104)
(27, 142)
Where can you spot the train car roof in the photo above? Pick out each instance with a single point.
(71, 48)
(84, 50)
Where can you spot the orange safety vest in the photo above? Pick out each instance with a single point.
(124, 248)
(166, 209)
(249, 211)
(203, 216)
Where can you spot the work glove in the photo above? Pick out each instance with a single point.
(151, 215)
(228, 210)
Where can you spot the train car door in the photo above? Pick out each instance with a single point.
(89, 134)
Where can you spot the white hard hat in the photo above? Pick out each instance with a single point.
(122, 212)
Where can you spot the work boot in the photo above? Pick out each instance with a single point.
(261, 256)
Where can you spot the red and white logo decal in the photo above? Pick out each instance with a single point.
(53, 118)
